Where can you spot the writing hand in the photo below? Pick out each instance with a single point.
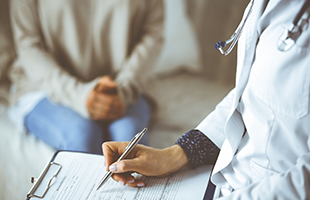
(143, 160)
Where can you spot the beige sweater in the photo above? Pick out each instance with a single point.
(63, 46)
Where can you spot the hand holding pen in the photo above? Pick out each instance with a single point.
(143, 160)
(135, 140)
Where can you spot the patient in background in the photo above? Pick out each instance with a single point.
(82, 68)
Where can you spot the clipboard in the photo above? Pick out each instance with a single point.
(38, 181)
(75, 175)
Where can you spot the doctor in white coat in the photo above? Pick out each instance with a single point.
(261, 127)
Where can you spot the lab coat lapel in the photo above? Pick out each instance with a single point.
(246, 48)
(234, 127)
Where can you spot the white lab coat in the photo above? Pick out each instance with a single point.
(270, 102)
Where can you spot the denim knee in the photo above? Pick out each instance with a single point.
(84, 135)
(136, 118)
(64, 129)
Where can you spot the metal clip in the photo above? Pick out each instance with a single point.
(38, 181)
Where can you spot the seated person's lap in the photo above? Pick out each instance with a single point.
(64, 129)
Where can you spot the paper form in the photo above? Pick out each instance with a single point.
(81, 173)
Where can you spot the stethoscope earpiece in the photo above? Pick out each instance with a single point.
(220, 45)
(235, 36)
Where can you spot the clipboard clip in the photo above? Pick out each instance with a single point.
(38, 181)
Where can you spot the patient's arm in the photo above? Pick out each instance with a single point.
(39, 65)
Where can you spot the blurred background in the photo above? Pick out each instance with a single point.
(191, 77)
(214, 21)
(192, 29)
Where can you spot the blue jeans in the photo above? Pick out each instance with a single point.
(63, 129)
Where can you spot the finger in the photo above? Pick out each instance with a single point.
(136, 184)
(107, 89)
(100, 107)
(104, 111)
(112, 150)
(103, 97)
(107, 84)
(91, 105)
(109, 154)
(104, 81)
(108, 108)
(117, 106)
(98, 98)
(90, 99)
(109, 99)
(125, 178)
(104, 106)
(98, 114)
(117, 103)
(107, 80)
(128, 165)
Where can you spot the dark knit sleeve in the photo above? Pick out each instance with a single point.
(198, 148)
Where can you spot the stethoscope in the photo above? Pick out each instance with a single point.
(286, 41)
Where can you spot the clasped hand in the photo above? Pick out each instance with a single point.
(103, 102)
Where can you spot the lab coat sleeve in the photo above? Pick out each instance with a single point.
(213, 125)
(294, 184)
(39, 66)
(136, 71)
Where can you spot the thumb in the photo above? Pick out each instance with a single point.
(126, 166)
(107, 86)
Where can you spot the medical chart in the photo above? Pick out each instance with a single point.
(81, 173)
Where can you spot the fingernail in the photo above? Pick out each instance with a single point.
(131, 181)
(113, 168)
(140, 184)
(121, 182)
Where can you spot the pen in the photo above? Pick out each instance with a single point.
(135, 140)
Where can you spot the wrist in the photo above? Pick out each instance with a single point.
(177, 158)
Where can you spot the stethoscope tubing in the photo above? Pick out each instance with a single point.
(303, 9)
(236, 35)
